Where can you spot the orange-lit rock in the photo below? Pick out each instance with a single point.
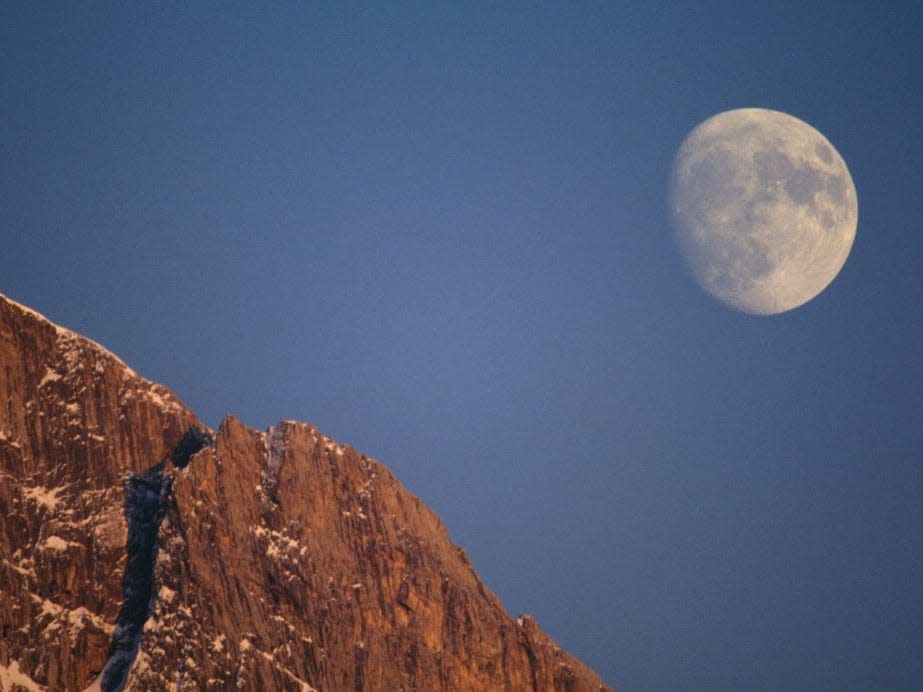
(274, 560)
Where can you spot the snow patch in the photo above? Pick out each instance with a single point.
(303, 686)
(11, 675)
(5, 438)
(158, 394)
(46, 497)
(81, 617)
(278, 545)
(27, 571)
(57, 544)
(49, 377)
(50, 608)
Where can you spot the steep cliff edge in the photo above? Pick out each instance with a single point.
(141, 550)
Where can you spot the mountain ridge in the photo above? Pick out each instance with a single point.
(140, 549)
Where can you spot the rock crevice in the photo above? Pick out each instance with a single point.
(146, 498)
(243, 560)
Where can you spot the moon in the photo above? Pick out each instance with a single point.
(764, 209)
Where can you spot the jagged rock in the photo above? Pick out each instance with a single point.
(139, 549)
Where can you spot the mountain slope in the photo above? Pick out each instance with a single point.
(141, 550)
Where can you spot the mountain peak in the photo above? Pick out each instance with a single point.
(66, 335)
(140, 550)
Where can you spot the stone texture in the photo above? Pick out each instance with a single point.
(74, 421)
(236, 559)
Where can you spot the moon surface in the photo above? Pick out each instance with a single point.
(764, 209)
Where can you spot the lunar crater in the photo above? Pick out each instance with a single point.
(764, 209)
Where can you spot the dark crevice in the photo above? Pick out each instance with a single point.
(193, 441)
(147, 497)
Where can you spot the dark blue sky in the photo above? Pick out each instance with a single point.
(439, 232)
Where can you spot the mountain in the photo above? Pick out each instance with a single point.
(141, 550)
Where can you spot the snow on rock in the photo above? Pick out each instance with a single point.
(11, 677)
(74, 420)
(57, 544)
(49, 377)
(122, 540)
(44, 497)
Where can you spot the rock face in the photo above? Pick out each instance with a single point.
(140, 550)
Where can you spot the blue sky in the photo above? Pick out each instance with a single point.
(439, 232)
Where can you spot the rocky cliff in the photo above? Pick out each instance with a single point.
(140, 550)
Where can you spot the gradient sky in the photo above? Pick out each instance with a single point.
(439, 232)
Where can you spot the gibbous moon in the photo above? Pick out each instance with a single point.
(764, 209)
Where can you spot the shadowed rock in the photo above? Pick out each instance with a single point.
(145, 505)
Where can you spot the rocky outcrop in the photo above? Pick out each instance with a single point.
(141, 550)
(74, 423)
